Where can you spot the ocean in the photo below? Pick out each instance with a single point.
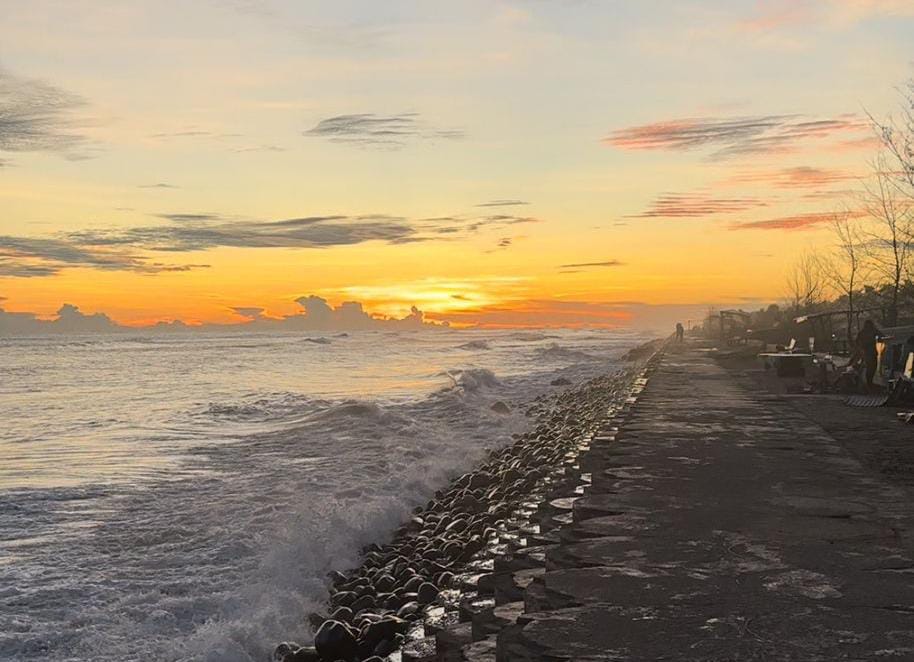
(183, 496)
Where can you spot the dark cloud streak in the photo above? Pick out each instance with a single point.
(697, 205)
(584, 265)
(38, 117)
(735, 137)
(371, 130)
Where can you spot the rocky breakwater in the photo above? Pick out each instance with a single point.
(454, 575)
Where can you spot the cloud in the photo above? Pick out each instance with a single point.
(158, 185)
(249, 312)
(370, 130)
(794, 178)
(545, 313)
(192, 218)
(69, 320)
(795, 222)
(696, 205)
(502, 203)
(585, 265)
(316, 315)
(735, 137)
(779, 15)
(38, 117)
(31, 257)
(126, 249)
(462, 225)
(195, 232)
(259, 148)
(195, 133)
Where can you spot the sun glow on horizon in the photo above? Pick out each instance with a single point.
(472, 164)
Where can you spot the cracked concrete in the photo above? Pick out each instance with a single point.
(722, 524)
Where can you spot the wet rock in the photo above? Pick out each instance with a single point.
(344, 614)
(284, 649)
(408, 610)
(343, 598)
(500, 408)
(364, 602)
(561, 381)
(315, 620)
(302, 654)
(385, 629)
(427, 593)
(335, 641)
(444, 579)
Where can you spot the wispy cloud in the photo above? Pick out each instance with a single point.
(793, 178)
(30, 257)
(697, 205)
(735, 137)
(780, 15)
(38, 117)
(371, 130)
(194, 133)
(128, 249)
(586, 265)
(195, 232)
(502, 203)
(795, 222)
(159, 185)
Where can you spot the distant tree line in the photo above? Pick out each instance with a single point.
(867, 269)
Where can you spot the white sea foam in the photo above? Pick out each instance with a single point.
(183, 499)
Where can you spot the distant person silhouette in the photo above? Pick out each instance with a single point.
(680, 332)
(865, 350)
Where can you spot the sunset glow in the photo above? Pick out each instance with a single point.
(472, 160)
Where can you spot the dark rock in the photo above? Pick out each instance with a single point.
(427, 593)
(343, 598)
(303, 654)
(284, 649)
(500, 408)
(344, 614)
(444, 579)
(385, 629)
(335, 641)
(315, 620)
(561, 381)
(408, 609)
(364, 602)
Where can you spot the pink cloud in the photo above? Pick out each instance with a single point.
(735, 137)
(696, 205)
(793, 178)
(796, 222)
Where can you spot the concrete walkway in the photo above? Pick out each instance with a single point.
(722, 525)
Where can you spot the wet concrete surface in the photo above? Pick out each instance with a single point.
(721, 523)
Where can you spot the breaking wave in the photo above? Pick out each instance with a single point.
(556, 352)
(244, 498)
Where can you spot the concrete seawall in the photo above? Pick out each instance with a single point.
(704, 519)
(720, 524)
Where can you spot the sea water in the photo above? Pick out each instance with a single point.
(183, 496)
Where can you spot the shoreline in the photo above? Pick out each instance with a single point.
(419, 595)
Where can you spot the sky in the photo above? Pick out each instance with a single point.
(492, 163)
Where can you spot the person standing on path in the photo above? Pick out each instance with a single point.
(680, 332)
(865, 350)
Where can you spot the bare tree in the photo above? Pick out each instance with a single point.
(891, 232)
(804, 282)
(896, 134)
(845, 268)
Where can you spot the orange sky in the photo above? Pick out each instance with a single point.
(490, 163)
